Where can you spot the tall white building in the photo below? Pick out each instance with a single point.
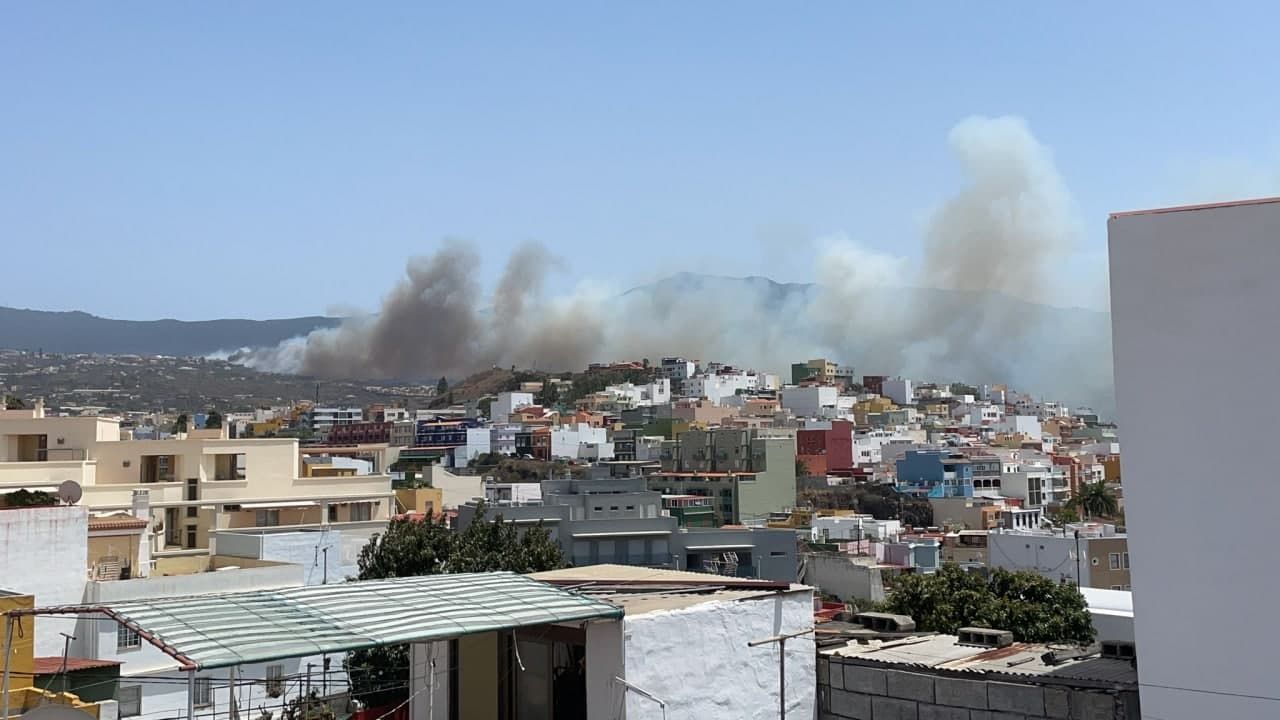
(898, 390)
(322, 419)
(507, 403)
(1194, 295)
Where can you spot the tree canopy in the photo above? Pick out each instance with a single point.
(213, 420)
(1096, 499)
(412, 547)
(1033, 608)
(180, 425)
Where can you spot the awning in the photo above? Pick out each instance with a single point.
(731, 546)
(276, 504)
(213, 631)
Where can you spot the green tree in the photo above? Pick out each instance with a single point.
(1096, 499)
(1033, 608)
(213, 420)
(380, 676)
(180, 425)
(442, 387)
(802, 469)
(28, 498)
(13, 402)
(1064, 516)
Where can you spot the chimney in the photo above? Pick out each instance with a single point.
(142, 505)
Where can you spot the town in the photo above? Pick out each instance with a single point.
(666, 483)
(645, 361)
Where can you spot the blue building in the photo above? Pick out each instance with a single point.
(443, 433)
(935, 473)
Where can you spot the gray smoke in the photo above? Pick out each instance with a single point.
(970, 309)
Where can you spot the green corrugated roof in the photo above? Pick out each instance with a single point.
(210, 631)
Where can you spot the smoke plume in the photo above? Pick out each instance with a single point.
(981, 304)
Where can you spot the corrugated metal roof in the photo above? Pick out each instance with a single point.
(212, 631)
(53, 665)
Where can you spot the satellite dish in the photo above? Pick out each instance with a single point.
(69, 492)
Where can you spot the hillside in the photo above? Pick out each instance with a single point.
(80, 332)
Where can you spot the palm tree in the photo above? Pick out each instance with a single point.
(1096, 498)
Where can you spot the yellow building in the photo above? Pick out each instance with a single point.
(18, 633)
(196, 483)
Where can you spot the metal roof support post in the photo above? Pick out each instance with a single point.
(8, 652)
(191, 694)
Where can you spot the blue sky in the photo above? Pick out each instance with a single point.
(272, 159)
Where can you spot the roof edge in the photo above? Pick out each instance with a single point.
(1200, 206)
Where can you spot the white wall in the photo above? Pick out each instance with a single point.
(838, 575)
(697, 660)
(807, 401)
(898, 390)
(508, 402)
(44, 552)
(1193, 295)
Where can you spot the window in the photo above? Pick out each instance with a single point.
(268, 518)
(130, 699)
(333, 513)
(191, 538)
(127, 638)
(361, 512)
(203, 692)
(1117, 587)
(275, 680)
(1115, 560)
(193, 511)
(1125, 560)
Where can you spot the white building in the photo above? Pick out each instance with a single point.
(853, 527)
(1036, 482)
(718, 386)
(811, 401)
(507, 403)
(1084, 554)
(479, 442)
(1194, 295)
(657, 392)
(502, 438)
(567, 441)
(320, 420)
(898, 390)
(1027, 425)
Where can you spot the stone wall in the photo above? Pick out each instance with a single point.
(852, 690)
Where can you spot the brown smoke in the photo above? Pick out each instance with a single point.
(968, 310)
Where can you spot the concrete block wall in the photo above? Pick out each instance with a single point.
(855, 691)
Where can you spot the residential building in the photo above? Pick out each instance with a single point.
(717, 386)
(810, 401)
(677, 370)
(967, 513)
(978, 673)
(403, 433)
(1084, 554)
(1193, 293)
(575, 442)
(753, 552)
(701, 412)
(898, 390)
(749, 472)
(657, 392)
(935, 473)
(502, 438)
(967, 548)
(1026, 425)
(690, 510)
(359, 433)
(196, 484)
(830, 528)
(320, 420)
(828, 450)
(820, 371)
(604, 520)
(507, 403)
(873, 384)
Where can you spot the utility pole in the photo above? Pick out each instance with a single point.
(1077, 558)
(782, 664)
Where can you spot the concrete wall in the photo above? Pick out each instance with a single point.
(840, 577)
(43, 552)
(1194, 294)
(318, 553)
(697, 660)
(456, 490)
(848, 690)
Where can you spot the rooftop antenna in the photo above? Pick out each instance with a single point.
(70, 492)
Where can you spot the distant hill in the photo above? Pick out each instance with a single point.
(80, 332)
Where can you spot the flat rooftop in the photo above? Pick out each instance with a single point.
(1201, 206)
